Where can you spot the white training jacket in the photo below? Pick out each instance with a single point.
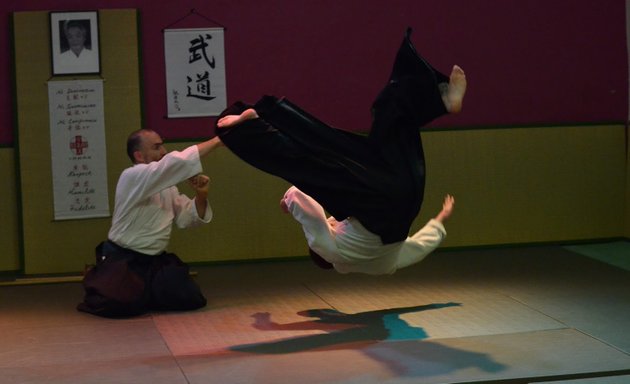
(352, 248)
(148, 202)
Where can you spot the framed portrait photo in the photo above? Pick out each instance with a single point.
(74, 43)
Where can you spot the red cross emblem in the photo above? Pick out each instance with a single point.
(78, 145)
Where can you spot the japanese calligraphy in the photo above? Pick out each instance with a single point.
(199, 85)
(197, 45)
(195, 72)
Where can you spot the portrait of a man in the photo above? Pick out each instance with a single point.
(74, 43)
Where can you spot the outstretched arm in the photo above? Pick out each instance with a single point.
(209, 145)
(447, 209)
(426, 240)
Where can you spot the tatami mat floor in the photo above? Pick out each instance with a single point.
(522, 315)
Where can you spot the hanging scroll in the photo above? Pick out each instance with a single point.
(195, 72)
(77, 142)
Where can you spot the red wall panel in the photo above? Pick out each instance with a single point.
(528, 62)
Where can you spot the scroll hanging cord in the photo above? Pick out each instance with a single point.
(193, 12)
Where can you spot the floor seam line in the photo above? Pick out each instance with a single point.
(170, 351)
(318, 295)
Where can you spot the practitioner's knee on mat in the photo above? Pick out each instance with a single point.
(120, 287)
(172, 287)
(114, 290)
(175, 290)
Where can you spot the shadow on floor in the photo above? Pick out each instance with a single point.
(342, 328)
(380, 335)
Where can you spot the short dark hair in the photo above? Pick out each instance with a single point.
(134, 142)
(79, 24)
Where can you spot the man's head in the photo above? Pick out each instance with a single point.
(145, 146)
(76, 34)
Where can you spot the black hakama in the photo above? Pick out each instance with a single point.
(126, 283)
(377, 178)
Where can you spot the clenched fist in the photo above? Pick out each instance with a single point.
(199, 183)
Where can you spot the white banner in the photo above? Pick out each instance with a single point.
(77, 142)
(195, 72)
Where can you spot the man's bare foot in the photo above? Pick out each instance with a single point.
(453, 94)
(230, 120)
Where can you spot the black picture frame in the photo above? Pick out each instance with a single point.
(74, 43)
